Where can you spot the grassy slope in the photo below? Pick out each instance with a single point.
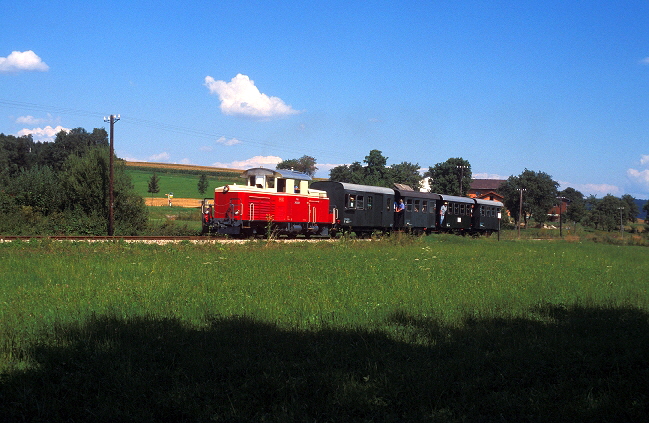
(182, 185)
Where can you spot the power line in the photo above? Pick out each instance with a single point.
(146, 123)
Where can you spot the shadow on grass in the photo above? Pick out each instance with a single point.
(577, 364)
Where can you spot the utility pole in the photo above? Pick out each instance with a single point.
(461, 167)
(520, 210)
(111, 197)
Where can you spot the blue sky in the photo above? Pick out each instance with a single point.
(553, 86)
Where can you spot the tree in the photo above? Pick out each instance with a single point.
(305, 164)
(576, 210)
(405, 173)
(539, 195)
(202, 184)
(84, 184)
(452, 177)
(630, 211)
(154, 187)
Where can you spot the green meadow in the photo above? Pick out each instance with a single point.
(181, 184)
(431, 329)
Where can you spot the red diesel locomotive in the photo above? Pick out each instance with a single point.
(277, 201)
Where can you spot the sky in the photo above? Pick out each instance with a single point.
(560, 87)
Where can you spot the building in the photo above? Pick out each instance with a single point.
(486, 189)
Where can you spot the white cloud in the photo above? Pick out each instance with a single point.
(644, 159)
(488, 176)
(225, 141)
(645, 61)
(31, 120)
(161, 157)
(257, 161)
(46, 134)
(240, 97)
(598, 190)
(22, 61)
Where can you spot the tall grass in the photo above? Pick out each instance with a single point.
(309, 326)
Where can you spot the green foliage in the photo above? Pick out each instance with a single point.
(305, 164)
(202, 184)
(154, 187)
(181, 183)
(539, 195)
(376, 173)
(452, 177)
(62, 187)
(576, 210)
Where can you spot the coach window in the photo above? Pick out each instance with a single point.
(409, 204)
(360, 202)
(431, 206)
(389, 205)
(350, 200)
(456, 209)
(369, 202)
(424, 203)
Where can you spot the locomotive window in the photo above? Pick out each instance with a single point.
(350, 200)
(369, 202)
(270, 182)
(360, 200)
(417, 206)
(409, 204)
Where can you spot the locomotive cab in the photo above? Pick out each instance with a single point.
(272, 201)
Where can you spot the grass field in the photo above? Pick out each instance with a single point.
(182, 185)
(438, 329)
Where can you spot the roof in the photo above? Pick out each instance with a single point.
(277, 173)
(486, 184)
(456, 199)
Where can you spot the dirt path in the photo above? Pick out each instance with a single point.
(175, 202)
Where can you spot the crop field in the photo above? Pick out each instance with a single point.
(431, 329)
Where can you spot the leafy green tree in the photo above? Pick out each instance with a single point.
(630, 211)
(576, 210)
(539, 195)
(202, 184)
(452, 177)
(84, 182)
(154, 184)
(375, 171)
(305, 164)
(405, 173)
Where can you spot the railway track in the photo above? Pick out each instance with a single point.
(148, 239)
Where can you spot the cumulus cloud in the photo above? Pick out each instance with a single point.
(160, 157)
(644, 159)
(22, 61)
(598, 190)
(240, 97)
(257, 161)
(225, 141)
(46, 134)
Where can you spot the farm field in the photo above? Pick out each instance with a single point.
(439, 329)
(179, 181)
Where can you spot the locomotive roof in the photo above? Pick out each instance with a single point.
(277, 173)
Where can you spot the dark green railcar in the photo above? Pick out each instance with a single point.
(362, 209)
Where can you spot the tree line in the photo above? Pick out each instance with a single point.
(528, 195)
(62, 187)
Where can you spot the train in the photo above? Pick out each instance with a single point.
(288, 203)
